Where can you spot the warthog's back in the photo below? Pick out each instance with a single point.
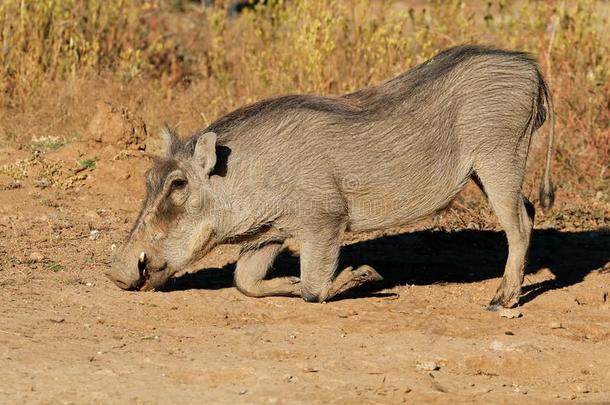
(388, 154)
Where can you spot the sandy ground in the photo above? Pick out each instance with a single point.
(68, 335)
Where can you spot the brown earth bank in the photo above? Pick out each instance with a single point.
(68, 335)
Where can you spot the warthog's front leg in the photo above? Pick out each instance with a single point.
(251, 269)
(319, 258)
(350, 278)
(253, 265)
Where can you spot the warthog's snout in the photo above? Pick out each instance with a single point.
(128, 274)
(137, 269)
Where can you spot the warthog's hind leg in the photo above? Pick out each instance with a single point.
(518, 227)
(251, 269)
(516, 215)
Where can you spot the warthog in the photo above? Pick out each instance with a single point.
(311, 167)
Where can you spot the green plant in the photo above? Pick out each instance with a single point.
(88, 163)
(54, 267)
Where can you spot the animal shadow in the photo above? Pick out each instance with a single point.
(438, 257)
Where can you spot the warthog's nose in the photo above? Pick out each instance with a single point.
(123, 278)
(127, 274)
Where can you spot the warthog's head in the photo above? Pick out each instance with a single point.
(175, 226)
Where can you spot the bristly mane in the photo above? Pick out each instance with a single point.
(362, 104)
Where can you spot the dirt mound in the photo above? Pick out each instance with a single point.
(113, 125)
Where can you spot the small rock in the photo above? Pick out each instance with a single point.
(509, 313)
(35, 257)
(498, 346)
(556, 325)
(14, 185)
(521, 390)
(57, 319)
(94, 234)
(310, 369)
(580, 389)
(288, 378)
(428, 366)
(41, 183)
(89, 284)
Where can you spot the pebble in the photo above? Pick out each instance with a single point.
(556, 325)
(36, 257)
(42, 183)
(57, 319)
(509, 313)
(428, 366)
(310, 369)
(94, 234)
(580, 389)
(498, 346)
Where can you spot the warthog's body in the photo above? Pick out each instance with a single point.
(312, 167)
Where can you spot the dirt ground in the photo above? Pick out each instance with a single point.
(68, 335)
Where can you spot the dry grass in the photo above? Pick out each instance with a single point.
(176, 61)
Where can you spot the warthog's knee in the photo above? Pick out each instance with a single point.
(310, 296)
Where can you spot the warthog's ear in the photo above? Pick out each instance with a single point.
(170, 140)
(205, 151)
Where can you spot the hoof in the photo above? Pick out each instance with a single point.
(497, 304)
(504, 299)
(368, 274)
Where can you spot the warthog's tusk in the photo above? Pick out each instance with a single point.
(142, 258)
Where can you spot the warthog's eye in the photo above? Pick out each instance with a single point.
(178, 184)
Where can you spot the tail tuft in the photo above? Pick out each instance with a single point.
(546, 195)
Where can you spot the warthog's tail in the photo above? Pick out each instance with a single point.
(547, 191)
